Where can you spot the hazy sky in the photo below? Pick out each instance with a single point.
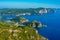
(29, 3)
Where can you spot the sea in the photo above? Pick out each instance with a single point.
(52, 20)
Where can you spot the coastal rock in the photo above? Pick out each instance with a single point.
(43, 11)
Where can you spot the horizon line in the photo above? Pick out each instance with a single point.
(26, 5)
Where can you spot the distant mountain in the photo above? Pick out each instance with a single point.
(28, 11)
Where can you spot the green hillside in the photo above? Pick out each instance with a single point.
(18, 33)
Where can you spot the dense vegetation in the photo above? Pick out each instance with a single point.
(18, 33)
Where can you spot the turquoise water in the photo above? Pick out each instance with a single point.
(52, 20)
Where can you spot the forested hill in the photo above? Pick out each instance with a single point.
(26, 11)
